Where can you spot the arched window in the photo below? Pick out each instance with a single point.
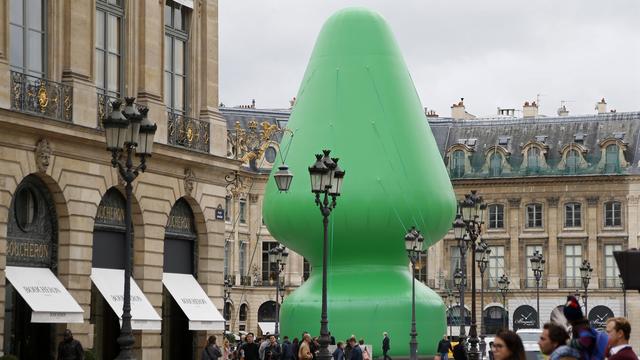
(495, 318)
(572, 160)
(244, 309)
(267, 312)
(612, 161)
(495, 164)
(533, 160)
(453, 316)
(457, 163)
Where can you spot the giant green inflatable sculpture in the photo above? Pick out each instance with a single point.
(357, 99)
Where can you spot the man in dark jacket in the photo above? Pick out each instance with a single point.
(249, 350)
(619, 331)
(272, 351)
(459, 352)
(69, 348)
(356, 350)
(443, 348)
(385, 346)
(287, 349)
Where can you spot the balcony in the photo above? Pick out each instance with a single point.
(610, 283)
(187, 132)
(571, 283)
(245, 280)
(104, 107)
(41, 97)
(231, 279)
(530, 283)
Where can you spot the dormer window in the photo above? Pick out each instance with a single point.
(612, 160)
(495, 164)
(573, 158)
(457, 163)
(533, 160)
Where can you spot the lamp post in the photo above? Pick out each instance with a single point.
(467, 229)
(585, 274)
(482, 258)
(128, 132)
(278, 256)
(450, 297)
(414, 242)
(537, 265)
(458, 282)
(326, 181)
(624, 296)
(226, 297)
(503, 285)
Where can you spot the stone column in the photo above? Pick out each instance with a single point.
(592, 220)
(631, 222)
(551, 252)
(514, 234)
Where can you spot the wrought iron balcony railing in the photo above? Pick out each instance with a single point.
(571, 283)
(188, 132)
(245, 280)
(104, 107)
(530, 283)
(610, 283)
(231, 279)
(41, 97)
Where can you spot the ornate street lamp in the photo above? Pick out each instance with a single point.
(482, 259)
(326, 180)
(414, 243)
(283, 178)
(128, 132)
(537, 265)
(278, 256)
(467, 229)
(459, 284)
(226, 297)
(503, 286)
(585, 274)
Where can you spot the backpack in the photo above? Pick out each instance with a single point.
(365, 354)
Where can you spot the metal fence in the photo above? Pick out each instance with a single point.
(41, 97)
(187, 132)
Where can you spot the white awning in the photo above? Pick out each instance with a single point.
(187, 3)
(50, 302)
(110, 283)
(193, 301)
(267, 327)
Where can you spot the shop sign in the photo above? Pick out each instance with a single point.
(525, 317)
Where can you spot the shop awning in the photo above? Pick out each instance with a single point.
(50, 302)
(267, 327)
(193, 301)
(110, 283)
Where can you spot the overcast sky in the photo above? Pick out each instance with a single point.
(492, 53)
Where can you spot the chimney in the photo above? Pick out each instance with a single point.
(530, 110)
(458, 111)
(601, 106)
(430, 113)
(562, 111)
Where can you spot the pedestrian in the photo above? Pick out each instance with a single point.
(295, 346)
(226, 349)
(263, 345)
(69, 348)
(314, 346)
(491, 351)
(365, 352)
(249, 350)
(591, 343)
(553, 343)
(443, 348)
(386, 346)
(459, 351)
(338, 353)
(211, 351)
(508, 346)
(347, 350)
(619, 331)
(356, 350)
(273, 350)
(304, 353)
(287, 349)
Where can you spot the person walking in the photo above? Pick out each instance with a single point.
(444, 346)
(356, 350)
(347, 350)
(304, 353)
(69, 348)
(263, 345)
(249, 350)
(365, 352)
(287, 349)
(508, 346)
(459, 351)
(211, 351)
(338, 353)
(619, 331)
(226, 349)
(386, 346)
(273, 350)
(553, 343)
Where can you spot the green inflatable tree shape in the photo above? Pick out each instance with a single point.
(357, 99)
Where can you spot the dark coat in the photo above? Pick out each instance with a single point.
(459, 352)
(624, 354)
(211, 352)
(70, 350)
(385, 344)
(272, 352)
(287, 350)
(356, 353)
(338, 354)
(444, 346)
(250, 351)
(347, 351)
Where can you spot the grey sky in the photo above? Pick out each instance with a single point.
(492, 53)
